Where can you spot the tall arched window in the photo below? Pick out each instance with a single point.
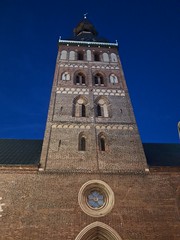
(102, 107)
(98, 80)
(102, 142)
(80, 79)
(82, 142)
(82, 146)
(80, 106)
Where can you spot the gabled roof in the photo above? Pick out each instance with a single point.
(162, 154)
(20, 152)
(15, 152)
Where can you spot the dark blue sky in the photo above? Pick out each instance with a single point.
(148, 32)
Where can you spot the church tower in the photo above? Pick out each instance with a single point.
(91, 125)
(91, 136)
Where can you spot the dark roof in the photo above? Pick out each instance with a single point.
(85, 31)
(20, 152)
(162, 154)
(27, 152)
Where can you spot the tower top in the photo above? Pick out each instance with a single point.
(85, 31)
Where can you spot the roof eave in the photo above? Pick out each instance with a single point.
(71, 42)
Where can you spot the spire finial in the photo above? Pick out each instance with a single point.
(85, 15)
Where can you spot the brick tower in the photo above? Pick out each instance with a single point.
(91, 138)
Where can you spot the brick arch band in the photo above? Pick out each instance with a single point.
(98, 230)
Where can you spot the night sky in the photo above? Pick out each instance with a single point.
(148, 33)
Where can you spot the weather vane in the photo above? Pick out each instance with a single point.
(85, 15)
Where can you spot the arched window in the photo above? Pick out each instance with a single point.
(65, 76)
(96, 57)
(113, 78)
(98, 80)
(113, 57)
(72, 55)
(102, 143)
(82, 144)
(80, 79)
(89, 55)
(105, 57)
(80, 56)
(63, 55)
(102, 107)
(80, 107)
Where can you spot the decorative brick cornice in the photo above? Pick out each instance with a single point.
(97, 126)
(96, 91)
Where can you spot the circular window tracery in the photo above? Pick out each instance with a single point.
(96, 198)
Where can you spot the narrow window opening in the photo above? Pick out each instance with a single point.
(59, 145)
(82, 145)
(83, 80)
(77, 79)
(102, 144)
(96, 80)
(101, 81)
(99, 110)
(83, 110)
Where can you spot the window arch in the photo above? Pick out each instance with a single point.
(113, 79)
(98, 230)
(102, 107)
(65, 76)
(63, 55)
(80, 79)
(113, 57)
(80, 106)
(98, 79)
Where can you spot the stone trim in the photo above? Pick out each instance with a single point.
(88, 126)
(105, 190)
(109, 92)
(85, 66)
(96, 91)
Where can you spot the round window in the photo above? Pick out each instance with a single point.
(96, 198)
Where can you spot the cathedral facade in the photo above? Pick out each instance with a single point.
(92, 181)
